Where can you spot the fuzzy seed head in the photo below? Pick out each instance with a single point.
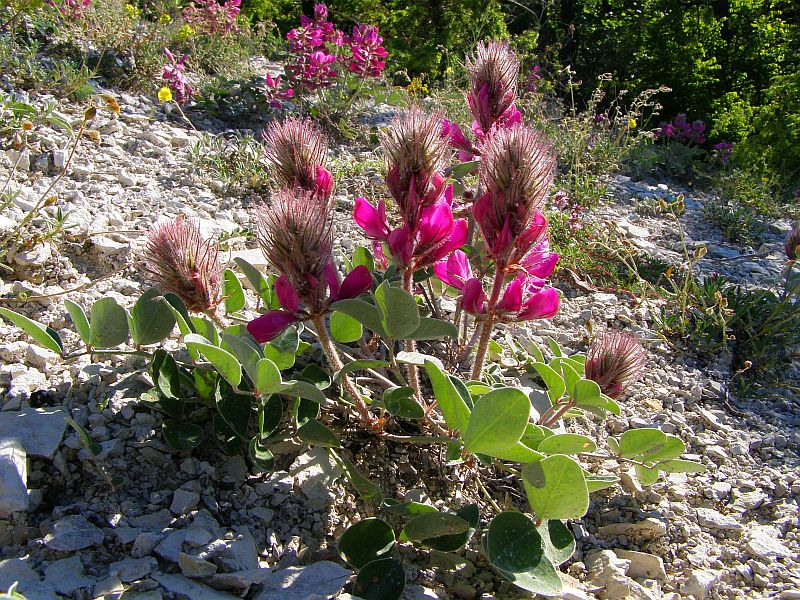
(614, 361)
(493, 70)
(414, 149)
(295, 147)
(792, 244)
(296, 236)
(180, 260)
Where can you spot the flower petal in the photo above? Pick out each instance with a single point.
(357, 281)
(370, 219)
(541, 305)
(268, 326)
(287, 295)
(512, 296)
(473, 298)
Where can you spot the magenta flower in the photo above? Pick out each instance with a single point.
(366, 51)
(277, 92)
(455, 270)
(493, 70)
(268, 326)
(213, 18)
(614, 361)
(372, 220)
(70, 8)
(473, 298)
(175, 76)
(298, 151)
(532, 79)
(456, 138)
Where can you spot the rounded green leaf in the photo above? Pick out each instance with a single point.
(180, 313)
(365, 488)
(261, 456)
(270, 415)
(556, 488)
(399, 315)
(246, 353)
(362, 256)
(256, 279)
(316, 375)
(646, 475)
(636, 442)
(151, 319)
(595, 483)
(223, 361)
(365, 541)
(315, 433)
(587, 391)
(303, 410)
(678, 465)
(454, 409)
(79, 319)
(108, 324)
(268, 377)
(451, 543)
(409, 509)
(182, 436)
(673, 447)
(498, 421)
(42, 335)
(433, 329)
(515, 548)
(365, 313)
(432, 524)
(234, 408)
(345, 329)
(303, 389)
(559, 545)
(382, 579)
(567, 443)
(553, 380)
(233, 292)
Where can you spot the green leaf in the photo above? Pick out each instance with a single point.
(417, 358)
(359, 365)
(365, 488)
(365, 541)
(520, 453)
(246, 353)
(554, 347)
(673, 447)
(223, 361)
(235, 409)
(556, 488)
(514, 547)
(365, 313)
(180, 313)
(461, 170)
(587, 391)
(433, 329)
(282, 360)
(363, 257)
(316, 375)
(233, 292)
(166, 376)
(206, 328)
(382, 579)
(261, 456)
(451, 543)
(315, 433)
(602, 403)
(432, 524)
(182, 436)
(498, 421)
(399, 402)
(636, 442)
(256, 279)
(559, 545)
(41, 334)
(303, 389)
(205, 379)
(595, 483)
(678, 465)
(108, 324)
(554, 382)
(567, 443)
(79, 319)
(151, 320)
(399, 315)
(227, 439)
(268, 378)
(270, 415)
(645, 475)
(345, 329)
(534, 434)
(410, 509)
(303, 410)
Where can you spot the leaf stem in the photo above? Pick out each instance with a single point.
(413, 372)
(488, 324)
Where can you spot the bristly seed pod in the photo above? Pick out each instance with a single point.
(792, 244)
(493, 71)
(614, 361)
(298, 152)
(185, 263)
(296, 237)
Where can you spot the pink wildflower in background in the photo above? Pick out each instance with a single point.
(366, 51)
(210, 17)
(679, 129)
(174, 75)
(724, 151)
(532, 79)
(70, 8)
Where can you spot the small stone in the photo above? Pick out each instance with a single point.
(145, 543)
(39, 430)
(235, 469)
(108, 247)
(66, 575)
(16, 569)
(180, 139)
(643, 565)
(185, 588)
(263, 514)
(133, 569)
(790, 594)
(712, 519)
(152, 521)
(36, 356)
(239, 554)
(126, 179)
(763, 541)
(719, 490)
(13, 478)
(192, 566)
(699, 583)
(183, 501)
(72, 533)
(649, 529)
(464, 590)
(197, 537)
(314, 473)
(316, 581)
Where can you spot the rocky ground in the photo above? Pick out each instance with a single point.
(202, 526)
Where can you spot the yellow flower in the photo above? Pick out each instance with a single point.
(448, 71)
(131, 11)
(631, 123)
(186, 32)
(164, 18)
(165, 94)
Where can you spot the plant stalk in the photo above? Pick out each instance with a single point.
(488, 324)
(411, 346)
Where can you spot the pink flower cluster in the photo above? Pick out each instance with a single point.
(679, 129)
(319, 49)
(723, 151)
(213, 18)
(493, 72)
(532, 79)
(174, 75)
(70, 8)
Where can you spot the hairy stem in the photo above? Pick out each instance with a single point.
(488, 324)
(411, 346)
(332, 355)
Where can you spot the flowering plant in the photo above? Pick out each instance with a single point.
(174, 74)
(680, 130)
(213, 18)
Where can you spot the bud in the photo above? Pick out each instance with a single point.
(614, 361)
(298, 151)
(793, 244)
(296, 237)
(493, 71)
(183, 262)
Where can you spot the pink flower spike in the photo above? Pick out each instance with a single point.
(287, 295)
(320, 12)
(542, 305)
(512, 296)
(454, 271)
(357, 281)
(324, 182)
(370, 219)
(268, 326)
(473, 298)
